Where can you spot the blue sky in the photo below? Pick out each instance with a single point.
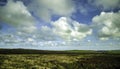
(60, 24)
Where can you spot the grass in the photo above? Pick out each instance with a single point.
(59, 59)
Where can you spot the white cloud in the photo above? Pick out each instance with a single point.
(70, 29)
(108, 24)
(46, 8)
(17, 15)
(106, 4)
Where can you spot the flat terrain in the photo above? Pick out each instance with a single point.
(75, 59)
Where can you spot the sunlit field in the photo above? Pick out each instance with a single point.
(60, 60)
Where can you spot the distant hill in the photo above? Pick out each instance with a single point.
(32, 51)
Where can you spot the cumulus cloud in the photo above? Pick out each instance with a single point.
(70, 29)
(106, 4)
(108, 24)
(17, 15)
(62, 29)
(46, 8)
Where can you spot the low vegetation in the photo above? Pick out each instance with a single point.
(60, 60)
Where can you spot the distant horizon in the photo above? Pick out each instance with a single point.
(60, 48)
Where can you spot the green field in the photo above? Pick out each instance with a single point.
(24, 59)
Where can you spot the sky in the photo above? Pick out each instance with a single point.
(60, 24)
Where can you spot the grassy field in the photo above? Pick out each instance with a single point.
(58, 59)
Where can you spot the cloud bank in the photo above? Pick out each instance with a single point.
(108, 24)
(17, 15)
(46, 8)
(70, 29)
